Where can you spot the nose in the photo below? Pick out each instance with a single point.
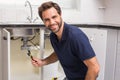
(51, 21)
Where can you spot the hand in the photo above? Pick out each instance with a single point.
(37, 62)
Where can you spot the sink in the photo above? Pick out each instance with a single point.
(20, 32)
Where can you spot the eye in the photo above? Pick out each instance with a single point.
(46, 20)
(54, 17)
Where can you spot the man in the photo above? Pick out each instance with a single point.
(71, 46)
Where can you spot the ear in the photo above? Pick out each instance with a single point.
(60, 14)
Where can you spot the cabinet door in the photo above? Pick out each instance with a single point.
(98, 40)
(117, 63)
(0, 57)
(5, 55)
(110, 66)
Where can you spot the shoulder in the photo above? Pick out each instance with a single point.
(75, 32)
(71, 29)
(77, 36)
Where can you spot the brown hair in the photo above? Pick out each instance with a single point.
(48, 5)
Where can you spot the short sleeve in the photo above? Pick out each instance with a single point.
(82, 47)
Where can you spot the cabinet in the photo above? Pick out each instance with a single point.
(117, 62)
(98, 40)
(0, 56)
(111, 63)
(105, 43)
(97, 37)
(16, 64)
(5, 48)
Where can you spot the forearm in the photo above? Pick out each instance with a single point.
(91, 75)
(93, 69)
(50, 59)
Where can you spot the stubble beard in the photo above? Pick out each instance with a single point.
(59, 26)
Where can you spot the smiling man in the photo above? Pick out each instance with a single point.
(71, 46)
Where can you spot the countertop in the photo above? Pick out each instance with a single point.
(24, 25)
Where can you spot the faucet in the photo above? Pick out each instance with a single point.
(30, 18)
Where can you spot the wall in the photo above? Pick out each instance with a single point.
(88, 12)
(112, 12)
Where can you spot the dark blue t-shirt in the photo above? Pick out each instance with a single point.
(72, 50)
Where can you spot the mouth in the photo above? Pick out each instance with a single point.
(52, 27)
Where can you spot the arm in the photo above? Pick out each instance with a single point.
(93, 68)
(41, 62)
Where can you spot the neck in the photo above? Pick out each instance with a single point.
(59, 33)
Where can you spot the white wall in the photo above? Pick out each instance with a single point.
(88, 12)
(112, 12)
(91, 12)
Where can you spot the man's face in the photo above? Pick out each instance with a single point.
(52, 19)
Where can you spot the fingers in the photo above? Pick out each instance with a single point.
(33, 59)
(36, 62)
